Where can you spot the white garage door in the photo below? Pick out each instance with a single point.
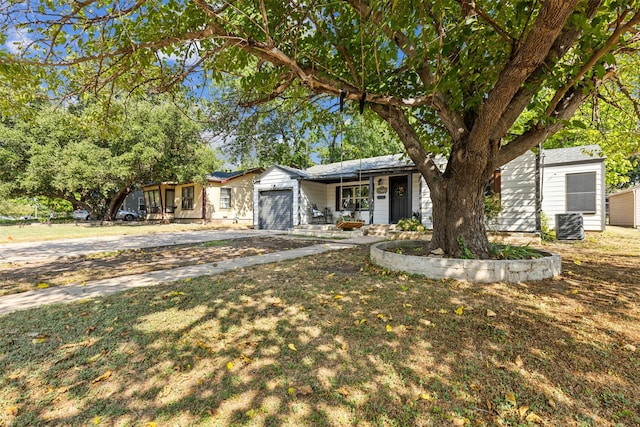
(275, 210)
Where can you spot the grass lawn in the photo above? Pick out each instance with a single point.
(334, 341)
(38, 232)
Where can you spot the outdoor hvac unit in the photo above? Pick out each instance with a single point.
(569, 226)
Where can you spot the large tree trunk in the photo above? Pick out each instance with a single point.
(458, 217)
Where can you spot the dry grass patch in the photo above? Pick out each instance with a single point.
(331, 340)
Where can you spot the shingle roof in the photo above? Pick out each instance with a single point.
(224, 176)
(583, 153)
(351, 168)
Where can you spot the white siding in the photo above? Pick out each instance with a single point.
(426, 205)
(276, 179)
(381, 206)
(310, 193)
(518, 195)
(554, 193)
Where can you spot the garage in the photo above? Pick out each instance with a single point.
(275, 209)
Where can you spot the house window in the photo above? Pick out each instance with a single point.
(581, 192)
(355, 198)
(225, 198)
(187, 197)
(170, 200)
(152, 197)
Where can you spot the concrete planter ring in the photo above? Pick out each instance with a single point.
(471, 270)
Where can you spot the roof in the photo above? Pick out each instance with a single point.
(626, 190)
(225, 176)
(351, 168)
(582, 154)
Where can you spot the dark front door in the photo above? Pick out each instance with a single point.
(399, 200)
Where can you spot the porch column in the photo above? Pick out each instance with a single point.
(371, 200)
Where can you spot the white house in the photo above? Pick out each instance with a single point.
(383, 190)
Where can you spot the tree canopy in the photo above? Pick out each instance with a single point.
(77, 154)
(481, 82)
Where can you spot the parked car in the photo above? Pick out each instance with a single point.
(127, 215)
(27, 217)
(81, 214)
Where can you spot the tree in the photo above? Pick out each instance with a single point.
(610, 119)
(480, 82)
(79, 155)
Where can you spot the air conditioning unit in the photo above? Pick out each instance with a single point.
(569, 226)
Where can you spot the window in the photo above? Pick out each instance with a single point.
(187, 197)
(354, 198)
(152, 197)
(225, 198)
(170, 200)
(581, 192)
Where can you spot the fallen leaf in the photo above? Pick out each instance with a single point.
(305, 390)
(407, 305)
(330, 275)
(443, 311)
(43, 285)
(343, 391)
(491, 313)
(577, 262)
(250, 413)
(291, 391)
(522, 411)
(519, 363)
(102, 377)
(425, 396)
(151, 424)
(534, 418)
(94, 358)
(338, 296)
(460, 310)
(187, 280)
(245, 359)
(292, 347)
(389, 328)
(574, 291)
(96, 421)
(12, 410)
(629, 347)
(229, 366)
(511, 398)
(459, 421)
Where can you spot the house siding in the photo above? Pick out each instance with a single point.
(554, 193)
(196, 212)
(518, 195)
(241, 210)
(312, 192)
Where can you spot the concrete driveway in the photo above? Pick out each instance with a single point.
(38, 251)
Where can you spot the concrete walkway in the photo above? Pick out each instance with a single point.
(68, 293)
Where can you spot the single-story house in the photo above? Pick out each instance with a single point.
(624, 208)
(226, 198)
(385, 189)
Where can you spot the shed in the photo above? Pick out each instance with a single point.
(624, 208)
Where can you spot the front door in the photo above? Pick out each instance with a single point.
(399, 200)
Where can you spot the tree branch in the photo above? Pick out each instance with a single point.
(549, 23)
(595, 58)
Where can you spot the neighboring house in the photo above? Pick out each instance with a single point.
(624, 208)
(135, 202)
(226, 198)
(383, 190)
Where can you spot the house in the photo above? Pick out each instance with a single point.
(385, 189)
(624, 208)
(227, 197)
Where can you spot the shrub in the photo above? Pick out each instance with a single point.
(413, 224)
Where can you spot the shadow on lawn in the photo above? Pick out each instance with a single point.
(319, 341)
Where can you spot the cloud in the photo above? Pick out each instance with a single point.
(17, 41)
